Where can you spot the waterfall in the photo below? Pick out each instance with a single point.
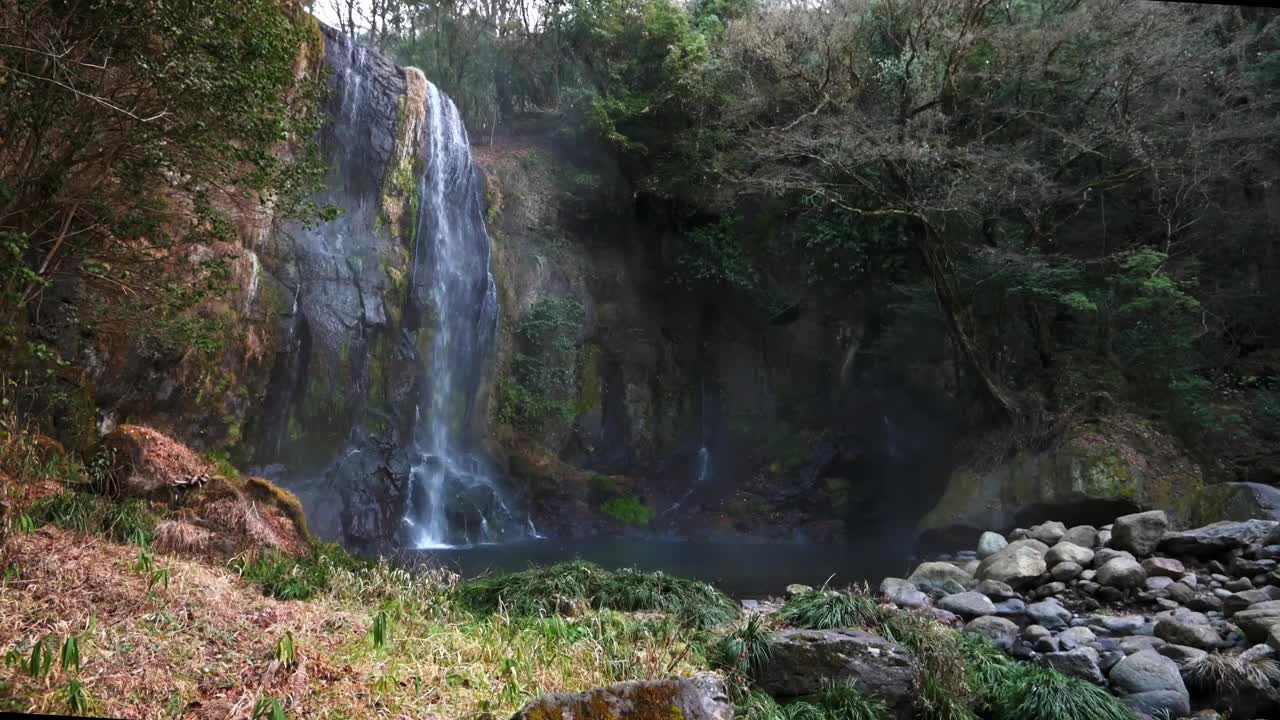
(454, 499)
(702, 468)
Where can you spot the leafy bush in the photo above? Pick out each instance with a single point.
(629, 510)
(553, 589)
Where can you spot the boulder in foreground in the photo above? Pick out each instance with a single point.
(701, 697)
(804, 662)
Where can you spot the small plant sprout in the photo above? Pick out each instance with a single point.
(159, 578)
(41, 662)
(285, 653)
(381, 631)
(71, 655)
(77, 698)
(145, 564)
(268, 708)
(26, 524)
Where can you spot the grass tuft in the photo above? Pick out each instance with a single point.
(287, 578)
(131, 521)
(1035, 693)
(746, 648)
(848, 703)
(568, 587)
(830, 609)
(1229, 674)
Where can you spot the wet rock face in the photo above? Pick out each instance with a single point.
(701, 697)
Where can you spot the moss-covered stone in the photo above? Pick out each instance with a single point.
(1096, 467)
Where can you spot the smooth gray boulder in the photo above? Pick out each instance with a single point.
(804, 662)
(990, 543)
(941, 578)
(1013, 607)
(1256, 622)
(968, 605)
(701, 697)
(1068, 552)
(1081, 662)
(1235, 602)
(1119, 624)
(1001, 632)
(1139, 533)
(1049, 614)
(1048, 533)
(1121, 572)
(1151, 683)
(1235, 501)
(1182, 654)
(1182, 631)
(1106, 555)
(996, 590)
(1138, 643)
(903, 593)
(1018, 565)
(1216, 538)
(1066, 572)
(1086, 536)
(1075, 637)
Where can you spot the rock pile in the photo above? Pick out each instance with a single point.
(1132, 606)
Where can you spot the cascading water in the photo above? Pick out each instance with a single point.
(703, 466)
(454, 499)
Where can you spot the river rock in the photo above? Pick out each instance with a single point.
(1235, 602)
(1068, 552)
(1019, 564)
(990, 543)
(903, 593)
(1257, 621)
(1080, 662)
(1139, 533)
(998, 630)
(1011, 608)
(1216, 538)
(1086, 536)
(1183, 655)
(701, 697)
(1151, 683)
(1048, 533)
(1049, 614)
(1075, 637)
(1163, 567)
(1180, 631)
(1119, 624)
(968, 605)
(941, 578)
(1106, 555)
(1121, 572)
(1138, 643)
(1180, 593)
(1066, 572)
(996, 590)
(1158, 584)
(804, 662)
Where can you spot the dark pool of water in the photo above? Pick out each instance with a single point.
(740, 569)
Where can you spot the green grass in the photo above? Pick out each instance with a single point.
(628, 510)
(831, 609)
(130, 521)
(836, 703)
(1036, 693)
(286, 578)
(559, 588)
(746, 648)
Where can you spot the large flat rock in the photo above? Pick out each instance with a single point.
(804, 662)
(701, 697)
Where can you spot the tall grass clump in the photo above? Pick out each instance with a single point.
(559, 588)
(1037, 693)
(1230, 674)
(745, 648)
(287, 578)
(131, 521)
(830, 609)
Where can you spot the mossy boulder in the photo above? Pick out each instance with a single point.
(1235, 501)
(701, 697)
(1093, 471)
(147, 463)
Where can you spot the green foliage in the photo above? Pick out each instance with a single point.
(830, 609)
(541, 384)
(132, 521)
(712, 258)
(77, 699)
(71, 654)
(268, 708)
(1036, 693)
(746, 648)
(286, 578)
(628, 510)
(285, 652)
(848, 703)
(552, 589)
(381, 631)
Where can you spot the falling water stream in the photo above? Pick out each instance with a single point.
(454, 498)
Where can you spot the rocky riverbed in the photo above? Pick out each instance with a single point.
(1133, 606)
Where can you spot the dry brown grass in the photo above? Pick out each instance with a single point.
(203, 647)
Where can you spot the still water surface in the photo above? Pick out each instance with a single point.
(741, 569)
